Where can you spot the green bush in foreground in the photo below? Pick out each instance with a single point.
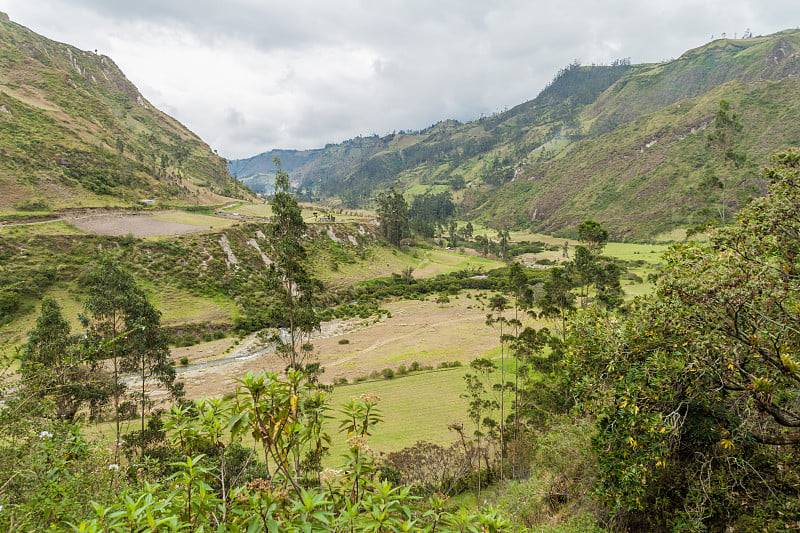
(284, 416)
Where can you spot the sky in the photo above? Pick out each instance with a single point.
(249, 76)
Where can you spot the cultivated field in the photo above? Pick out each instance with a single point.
(141, 226)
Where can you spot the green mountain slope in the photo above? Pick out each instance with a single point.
(75, 132)
(625, 144)
(258, 172)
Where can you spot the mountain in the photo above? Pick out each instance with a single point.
(627, 145)
(258, 172)
(75, 132)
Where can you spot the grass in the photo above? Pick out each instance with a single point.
(652, 253)
(194, 219)
(50, 227)
(435, 262)
(415, 407)
(181, 307)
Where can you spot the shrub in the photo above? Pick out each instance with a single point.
(431, 468)
(184, 361)
(387, 373)
(344, 341)
(208, 336)
(340, 381)
(402, 370)
(415, 366)
(219, 334)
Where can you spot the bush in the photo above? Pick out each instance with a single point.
(208, 336)
(387, 373)
(32, 205)
(431, 468)
(344, 341)
(402, 370)
(219, 334)
(340, 381)
(184, 361)
(414, 366)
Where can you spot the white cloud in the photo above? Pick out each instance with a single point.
(249, 75)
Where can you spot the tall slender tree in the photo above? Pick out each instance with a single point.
(124, 326)
(294, 289)
(393, 216)
(55, 367)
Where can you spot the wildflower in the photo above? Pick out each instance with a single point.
(329, 474)
(357, 441)
(45, 435)
(370, 398)
(121, 443)
(113, 467)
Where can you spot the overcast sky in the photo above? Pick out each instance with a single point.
(252, 75)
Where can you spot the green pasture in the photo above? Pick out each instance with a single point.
(194, 219)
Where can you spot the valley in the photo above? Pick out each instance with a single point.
(577, 314)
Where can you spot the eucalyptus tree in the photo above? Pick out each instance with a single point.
(123, 326)
(54, 366)
(295, 291)
(393, 216)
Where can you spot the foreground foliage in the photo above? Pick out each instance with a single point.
(695, 391)
(199, 486)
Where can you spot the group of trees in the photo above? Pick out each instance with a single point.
(66, 371)
(695, 389)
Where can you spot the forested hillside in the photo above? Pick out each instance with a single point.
(634, 146)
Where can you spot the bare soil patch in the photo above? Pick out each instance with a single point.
(137, 225)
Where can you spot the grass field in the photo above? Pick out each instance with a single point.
(415, 407)
(194, 219)
(418, 406)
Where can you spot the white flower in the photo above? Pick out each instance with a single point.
(114, 467)
(45, 435)
(121, 443)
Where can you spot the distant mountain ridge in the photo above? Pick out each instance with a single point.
(258, 172)
(75, 132)
(625, 144)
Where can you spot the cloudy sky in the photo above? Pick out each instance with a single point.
(252, 75)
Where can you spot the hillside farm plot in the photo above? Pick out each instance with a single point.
(144, 225)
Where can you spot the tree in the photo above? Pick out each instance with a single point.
(593, 236)
(294, 289)
(124, 326)
(393, 216)
(523, 300)
(482, 244)
(55, 367)
(558, 300)
(696, 388)
(499, 304)
(468, 229)
(727, 123)
(453, 233)
(481, 405)
(502, 241)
